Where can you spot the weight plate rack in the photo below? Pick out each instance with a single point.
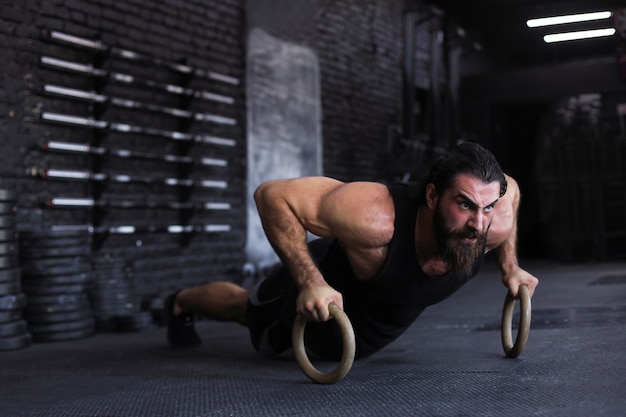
(14, 332)
(56, 276)
(196, 133)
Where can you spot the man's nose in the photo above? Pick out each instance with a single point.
(478, 220)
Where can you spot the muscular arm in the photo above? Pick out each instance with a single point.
(503, 239)
(327, 208)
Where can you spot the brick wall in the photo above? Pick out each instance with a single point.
(361, 57)
(360, 49)
(147, 148)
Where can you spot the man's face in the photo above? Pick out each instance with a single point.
(463, 214)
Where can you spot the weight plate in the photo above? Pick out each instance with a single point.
(114, 303)
(7, 221)
(66, 326)
(7, 195)
(54, 289)
(112, 270)
(10, 275)
(115, 291)
(111, 282)
(8, 248)
(40, 268)
(8, 208)
(8, 261)
(45, 318)
(38, 253)
(17, 342)
(106, 258)
(10, 315)
(34, 309)
(62, 336)
(83, 278)
(104, 263)
(60, 276)
(42, 300)
(103, 297)
(10, 288)
(54, 242)
(7, 235)
(52, 273)
(49, 233)
(12, 301)
(13, 328)
(114, 309)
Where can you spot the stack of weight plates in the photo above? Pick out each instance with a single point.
(13, 329)
(114, 299)
(56, 276)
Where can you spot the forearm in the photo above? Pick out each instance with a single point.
(507, 253)
(512, 274)
(287, 235)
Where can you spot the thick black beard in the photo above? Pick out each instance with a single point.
(459, 256)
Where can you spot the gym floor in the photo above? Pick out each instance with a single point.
(449, 363)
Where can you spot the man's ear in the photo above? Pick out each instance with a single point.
(431, 196)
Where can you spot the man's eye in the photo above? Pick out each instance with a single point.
(488, 209)
(464, 206)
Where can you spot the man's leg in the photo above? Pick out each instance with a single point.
(223, 301)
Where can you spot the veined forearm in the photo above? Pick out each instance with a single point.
(507, 254)
(287, 235)
(507, 250)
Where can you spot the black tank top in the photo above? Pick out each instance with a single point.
(382, 308)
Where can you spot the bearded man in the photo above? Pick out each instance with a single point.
(385, 253)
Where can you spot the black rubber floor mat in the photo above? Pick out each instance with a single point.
(610, 280)
(557, 318)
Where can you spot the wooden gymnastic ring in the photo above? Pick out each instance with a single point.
(513, 350)
(347, 357)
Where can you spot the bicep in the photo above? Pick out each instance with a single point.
(302, 197)
(355, 212)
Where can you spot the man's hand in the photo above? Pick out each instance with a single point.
(503, 239)
(518, 276)
(313, 301)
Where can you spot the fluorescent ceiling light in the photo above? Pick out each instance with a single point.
(585, 34)
(572, 18)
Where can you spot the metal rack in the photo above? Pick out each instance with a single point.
(190, 128)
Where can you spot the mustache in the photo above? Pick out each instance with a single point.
(468, 233)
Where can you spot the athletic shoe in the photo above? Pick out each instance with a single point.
(181, 331)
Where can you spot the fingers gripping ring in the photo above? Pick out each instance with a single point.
(513, 350)
(347, 357)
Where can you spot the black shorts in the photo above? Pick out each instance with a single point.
(272, 311)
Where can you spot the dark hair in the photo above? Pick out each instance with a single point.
(464, 158)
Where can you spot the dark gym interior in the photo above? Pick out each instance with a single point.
(133, 134)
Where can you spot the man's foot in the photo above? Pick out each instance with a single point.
(181, 331)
